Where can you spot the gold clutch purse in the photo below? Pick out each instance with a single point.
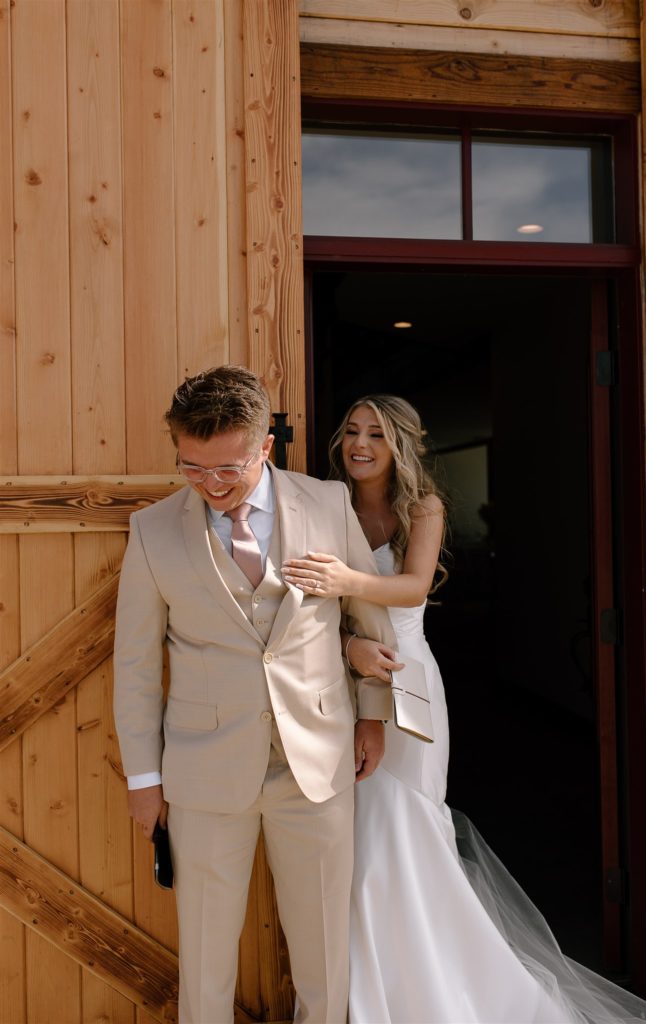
(411, 703)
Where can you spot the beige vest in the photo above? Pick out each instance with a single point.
(259, 605)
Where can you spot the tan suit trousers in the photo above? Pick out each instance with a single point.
(310, 852)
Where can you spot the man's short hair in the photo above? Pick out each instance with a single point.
(218, 401)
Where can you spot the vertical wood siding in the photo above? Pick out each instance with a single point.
(123, 258)
(148, 82)
(274, 224)
(12, 951)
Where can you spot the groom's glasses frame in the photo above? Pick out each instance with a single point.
(223, 474)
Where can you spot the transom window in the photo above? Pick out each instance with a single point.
(394, 182)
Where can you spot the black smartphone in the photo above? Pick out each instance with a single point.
(163, 862)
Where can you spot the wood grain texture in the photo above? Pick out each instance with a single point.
(53, 982)
(105, 853)
(41, 240)
(200, 185)
(77, 504)
(404, 36)
(12, 940)
(412, 75)
(236, 184)
(96, 242)
(50, 669)
(274, 222)
(8, 438)
(13, 1005)
(103, 1005)
(149, 229)
(64, 914)
(583, 17)
(12, 969)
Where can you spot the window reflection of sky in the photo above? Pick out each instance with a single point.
(520, 184)
(397, 186)
(380, 186)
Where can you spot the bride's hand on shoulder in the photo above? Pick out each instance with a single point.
(321, 574)
(371, 658)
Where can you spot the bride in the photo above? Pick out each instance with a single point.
(440, 932)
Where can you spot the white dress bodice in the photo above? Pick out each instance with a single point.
(406, 621)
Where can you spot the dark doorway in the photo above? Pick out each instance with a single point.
(499, 368)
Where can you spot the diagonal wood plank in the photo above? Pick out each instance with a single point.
(95, 936)
(58, 662)
(79, 924)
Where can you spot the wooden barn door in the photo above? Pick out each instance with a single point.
(145, 148)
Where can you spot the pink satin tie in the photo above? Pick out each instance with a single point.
(244, 546)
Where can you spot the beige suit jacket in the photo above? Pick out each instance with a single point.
(211, 741)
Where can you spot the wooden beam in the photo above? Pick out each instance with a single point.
(85, 929)
(468, 78)
(77, 504)
(401, 36)
(567, 17)
(54, 665)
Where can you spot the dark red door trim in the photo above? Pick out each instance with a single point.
(604, 619)
(327, 248)
(631, 494)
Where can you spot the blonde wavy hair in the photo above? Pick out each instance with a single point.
(411, 481)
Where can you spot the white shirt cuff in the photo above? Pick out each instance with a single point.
(144, 780)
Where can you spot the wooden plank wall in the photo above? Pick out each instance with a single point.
(124, 222)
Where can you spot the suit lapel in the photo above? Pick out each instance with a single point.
(293, 532)
(195, 526)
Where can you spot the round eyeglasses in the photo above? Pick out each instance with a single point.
(223, 474)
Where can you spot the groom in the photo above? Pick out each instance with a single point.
(259, 728)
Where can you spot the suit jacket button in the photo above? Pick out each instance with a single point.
(266, 716)
(267, 658)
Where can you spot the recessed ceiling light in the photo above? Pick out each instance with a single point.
(402, 323)
(530, 229)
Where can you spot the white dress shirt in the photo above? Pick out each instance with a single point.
(261, 520)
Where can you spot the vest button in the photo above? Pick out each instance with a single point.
(266, 716)
(267, 658)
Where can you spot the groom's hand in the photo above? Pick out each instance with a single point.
(147, 806)
(369, 746)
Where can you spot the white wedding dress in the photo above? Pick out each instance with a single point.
(439, 936)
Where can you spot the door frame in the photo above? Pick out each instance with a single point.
(353, 97)
(629, 547)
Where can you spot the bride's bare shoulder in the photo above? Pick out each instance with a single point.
(429, 505)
